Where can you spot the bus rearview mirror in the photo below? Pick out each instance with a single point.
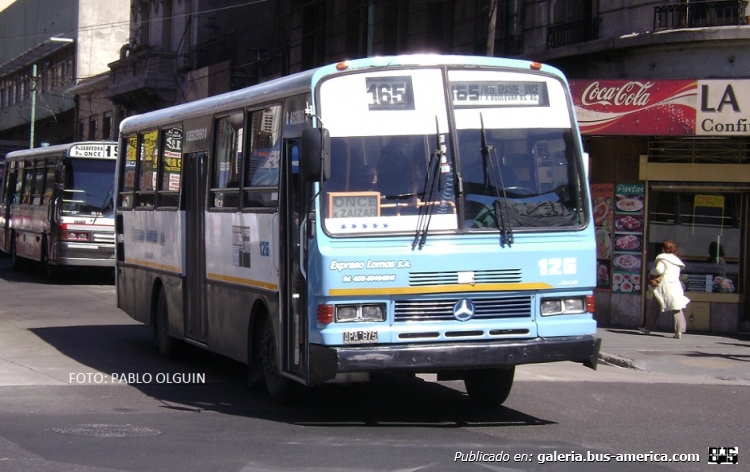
(315, 164)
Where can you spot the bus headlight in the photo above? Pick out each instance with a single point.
(69, 235)
(363, 312)
(346, 313)
(563, 306)
(373, 312)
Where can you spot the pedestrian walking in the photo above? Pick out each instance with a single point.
(669, 293)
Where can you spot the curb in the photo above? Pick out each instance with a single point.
(619, 361)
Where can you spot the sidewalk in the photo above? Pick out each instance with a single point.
(724, 357)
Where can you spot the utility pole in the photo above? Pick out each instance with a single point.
(491, 28)
(370, 26)
(33, 90)
(33, 105)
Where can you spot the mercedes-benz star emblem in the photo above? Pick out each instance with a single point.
(464, 309)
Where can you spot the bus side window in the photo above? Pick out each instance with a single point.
(49, 181)
(263, 157)
(28, 182)
(38, 193)
(18, 198)
(171, 160)
(128, 172)
(148, 162)
(4, 197)
(11, 178)
(225, 174)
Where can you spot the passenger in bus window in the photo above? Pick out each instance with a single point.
(366, 179)
(401, 168)
(343, 160)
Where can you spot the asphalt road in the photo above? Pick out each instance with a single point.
(61, 408)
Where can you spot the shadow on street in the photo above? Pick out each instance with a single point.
(126, 349)
(395, 402)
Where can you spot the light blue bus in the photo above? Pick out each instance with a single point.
(408, 214)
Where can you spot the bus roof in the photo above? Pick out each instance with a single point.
(302, 81)
(271, 90)
(422, 60)
(76, 149)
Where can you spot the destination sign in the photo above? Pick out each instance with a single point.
(93, 150)
(390, 93)
(501, 94)
(353, 204)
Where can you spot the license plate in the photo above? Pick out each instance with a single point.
(360, 337)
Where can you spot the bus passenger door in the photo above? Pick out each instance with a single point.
(292, 250)
(194, 284)
(9, 187)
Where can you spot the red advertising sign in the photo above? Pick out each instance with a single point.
(636, 107)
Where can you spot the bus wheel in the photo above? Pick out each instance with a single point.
(255, 371)
(276, 384)
(163, 342)
(48, 269)
(16, 263)
(489, 387)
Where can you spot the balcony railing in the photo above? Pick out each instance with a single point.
(146, 73)
(565, 34)
(700, 14)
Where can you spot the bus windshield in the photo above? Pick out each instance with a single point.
(88, 188)
(394, 158)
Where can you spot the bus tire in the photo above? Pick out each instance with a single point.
(489, 387)
(163, 342)
(16, 263)
(255, 373)
(277, 385)
(49, 270)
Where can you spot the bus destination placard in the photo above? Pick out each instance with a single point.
(93, 150)
(353, 204)
(499, 93)
(390, 93)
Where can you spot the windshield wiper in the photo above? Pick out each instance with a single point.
(399, 196)
(491, 163)
(432, 182)
(106, 203)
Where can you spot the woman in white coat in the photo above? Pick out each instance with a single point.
(669, 292)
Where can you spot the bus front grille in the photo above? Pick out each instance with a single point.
(496, 276)
(104, 238)
(442, 310)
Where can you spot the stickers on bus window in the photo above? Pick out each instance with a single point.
(390, 93)
(494, 93)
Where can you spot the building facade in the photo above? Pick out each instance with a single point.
(182, 50)
(663, 100)
(689, 183)
(673, 154)
(49, 46)
(661, 90)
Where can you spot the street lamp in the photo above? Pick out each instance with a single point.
(33, 90)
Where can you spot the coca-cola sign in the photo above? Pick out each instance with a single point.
(629, 93)
(635, 107)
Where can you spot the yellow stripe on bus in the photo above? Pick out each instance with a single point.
(153, 265)
(438, 289)
(243, 281)
(217, 277)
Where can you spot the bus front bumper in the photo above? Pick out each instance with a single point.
(327, 361)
